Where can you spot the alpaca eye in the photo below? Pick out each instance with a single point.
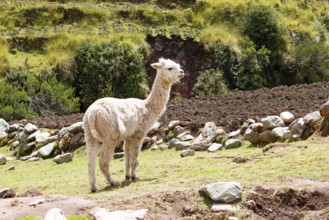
(169, 69)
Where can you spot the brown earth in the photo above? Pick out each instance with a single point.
(229, 110)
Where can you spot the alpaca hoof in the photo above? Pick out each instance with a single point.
(128, 178)
(115, 183)
(135, 179)
(93, 190)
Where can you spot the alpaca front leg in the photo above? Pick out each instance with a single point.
(134, 162)
(127, 149)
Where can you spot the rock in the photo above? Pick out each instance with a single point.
(324, 110)
(13, 128)
(235, 134)
(164, 147)
(287, 117)
(3, 138)
(312, 119)
(25, 149)
(33, 159)
(226, 192)
(223, 207)
(187, 137)
(117, 155)
(63, 158)
(246, 124)
(103, 214)
(11, 168)
(186, 153)
(31, 193)
(39, 136)
(173, 124)
(203, 146)
(251, 136)
(154, 147)
(232, 143)
(266, 137)
(55, 214)
(272, 121)
(209, 130)
(282, 133)
(147, 143)
(75, 128)
(154, 129)
(257, 127)
(173, 142)
(179, 129)
(182, 145)
(215, 147)
(47, 151)
(30, 128)
(75, 142)
(324, 127)
(37, 202)
(7, 193)
(4, 126)
(297, 126)
(3, 159)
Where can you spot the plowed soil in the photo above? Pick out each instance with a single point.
(229, 110)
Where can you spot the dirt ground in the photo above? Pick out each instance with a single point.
(229, 110)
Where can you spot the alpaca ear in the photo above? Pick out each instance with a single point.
(157, 65)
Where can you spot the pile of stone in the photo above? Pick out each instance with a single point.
(29, 143)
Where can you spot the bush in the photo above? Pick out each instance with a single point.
(38, 97)
(109, 69)
(226, 60)
(262, 28)
(14, 103)
(252, 68)
(311, 62)
(210, 82)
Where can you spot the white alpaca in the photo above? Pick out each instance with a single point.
(108, 121)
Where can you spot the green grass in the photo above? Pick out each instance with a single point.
(166, 171)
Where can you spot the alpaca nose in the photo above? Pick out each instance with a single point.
(181, 73)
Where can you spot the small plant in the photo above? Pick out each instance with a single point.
(210, 82)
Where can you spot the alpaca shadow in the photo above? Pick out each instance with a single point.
(123, 184)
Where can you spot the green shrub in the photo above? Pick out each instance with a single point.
(41, 97)
(14, 103)
(210, 82)
(226, 60)
(311, 62)
(109, 69)
(252, 68)
(262, 28)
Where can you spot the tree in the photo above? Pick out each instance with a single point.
(210, 82)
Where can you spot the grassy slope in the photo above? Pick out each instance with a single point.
(208, 21)
(166, 171)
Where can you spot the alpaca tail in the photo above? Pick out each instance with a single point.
(92, 127)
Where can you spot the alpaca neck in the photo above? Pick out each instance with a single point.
(158, 98)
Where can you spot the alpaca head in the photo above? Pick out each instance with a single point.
(169, 71)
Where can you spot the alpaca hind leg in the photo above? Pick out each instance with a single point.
(92, 149)
(105, 159)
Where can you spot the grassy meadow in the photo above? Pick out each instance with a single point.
(167, 171)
